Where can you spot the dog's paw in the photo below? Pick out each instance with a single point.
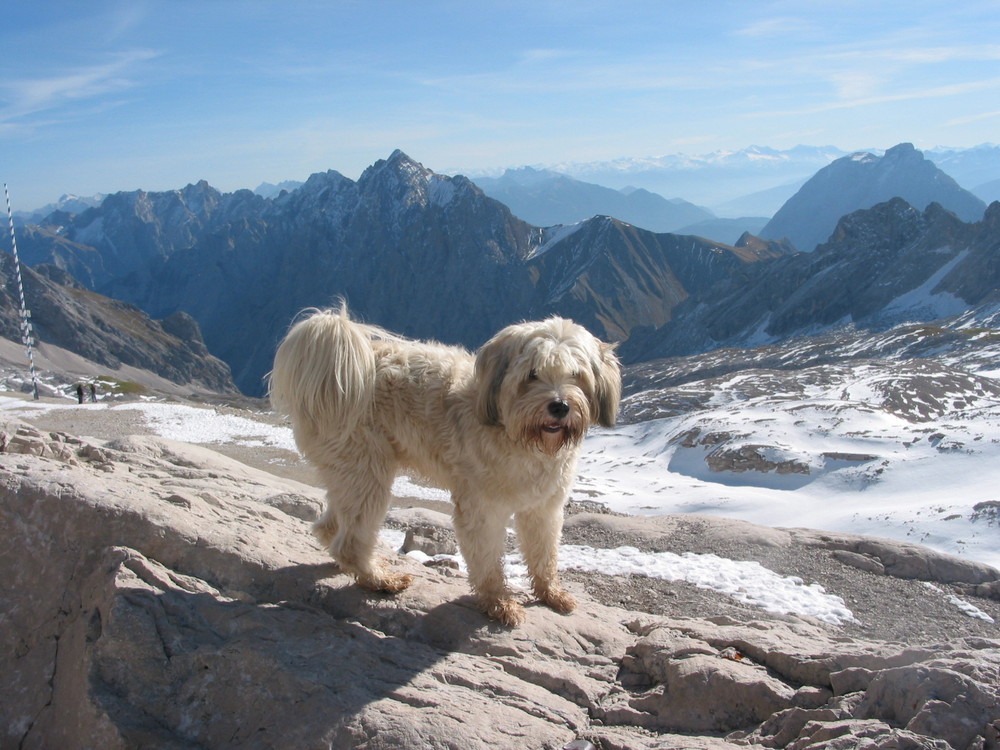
(505, 610)
(558, 599)
(386, 583)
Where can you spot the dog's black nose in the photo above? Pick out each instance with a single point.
(558, 409)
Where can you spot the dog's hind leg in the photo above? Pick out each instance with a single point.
(538, 533)
(482, 533)
(358, 495)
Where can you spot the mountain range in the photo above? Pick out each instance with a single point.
(806, 218)
(423, 254)
(433, 256)
(882, 267)
(713, 179)
(757, 180)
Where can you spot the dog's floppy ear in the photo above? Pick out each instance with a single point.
(492, 361)
(607, 385)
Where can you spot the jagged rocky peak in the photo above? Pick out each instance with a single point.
(399, 176)
(875, 225)
(901, 152)
(991, 218)
(323, 191)
(892, 223)
(199, 198)
(407, 182)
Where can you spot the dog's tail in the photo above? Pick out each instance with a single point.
(324, 375)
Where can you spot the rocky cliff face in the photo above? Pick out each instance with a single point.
(608, 274)
(882, 267)
(422, 254)
(861, 181)
(108, 332)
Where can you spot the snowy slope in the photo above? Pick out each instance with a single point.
(856, 450)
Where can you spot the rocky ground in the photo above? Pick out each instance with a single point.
(164, 595)
(883, 604)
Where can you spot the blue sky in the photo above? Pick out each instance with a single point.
(111, 95)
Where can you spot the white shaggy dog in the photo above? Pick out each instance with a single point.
(501, 430)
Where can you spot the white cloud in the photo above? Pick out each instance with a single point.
(779, 26)
(29, 96)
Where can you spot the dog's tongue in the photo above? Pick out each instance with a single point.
(553, 427)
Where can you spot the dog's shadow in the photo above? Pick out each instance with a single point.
(450, 626)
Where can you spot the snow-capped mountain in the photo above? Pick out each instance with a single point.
(862, 180)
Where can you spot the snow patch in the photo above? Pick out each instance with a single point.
(554, 235)
(440, 190)
(746, 581)
(922, 300)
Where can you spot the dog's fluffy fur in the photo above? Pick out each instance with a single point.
(501, 430)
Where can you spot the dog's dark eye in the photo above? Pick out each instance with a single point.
(533, 375)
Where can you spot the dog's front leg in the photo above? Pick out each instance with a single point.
(482, 533)
(538, 532)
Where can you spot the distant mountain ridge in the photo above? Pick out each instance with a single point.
(712, 179)
(970, 167)
(546, 198)
(67, 204)
(421, 253)
(862, 180)
(756, 180)
(269, 190)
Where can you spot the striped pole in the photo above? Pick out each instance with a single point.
(26, 334)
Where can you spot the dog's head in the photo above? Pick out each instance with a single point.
(546, 383)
